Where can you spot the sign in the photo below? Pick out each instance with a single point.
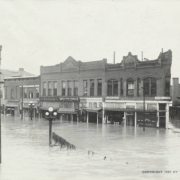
(68, 99)
(162, 98)
(49, 98)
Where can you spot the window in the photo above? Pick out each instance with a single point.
(92, 87)
(112, 88)
(70, 86)
(138, 86)
(99, 87)
(30, 94)
(12, 94)
(85, 87)
(25, 92)
(76, 84)
(63, 88)
(54, 88)
(121, 82)
(130, 87)
(44, 88)
(37, 92)
(149, 85)
(167, 86)
(49, 89)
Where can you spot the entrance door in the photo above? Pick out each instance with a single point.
(130, 120)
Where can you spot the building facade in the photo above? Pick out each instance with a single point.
(109, 93)
(21, 89)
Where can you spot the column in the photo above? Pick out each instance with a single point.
(125, 119)
(124, 92)
(87, 117)
(71, 117)
(119, 88)
(157, 124)
(135, 117)
(77, 117)
(104, 87)
(88, 87)
(167, 116)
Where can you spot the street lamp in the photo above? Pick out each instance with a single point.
(31, 105)
(50, 115)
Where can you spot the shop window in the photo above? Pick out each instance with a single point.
(44, 88)
(49, 89)
(150, 87)
(63, 88)
(85, 87)
(92, 87)
(76, 84)
(130, 87)
(99, 87)
(112, 88)
(55, 88)
(167, 86)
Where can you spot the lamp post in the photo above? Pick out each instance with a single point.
(31, 105)
(50, 115)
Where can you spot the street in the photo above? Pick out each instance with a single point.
(103, 151)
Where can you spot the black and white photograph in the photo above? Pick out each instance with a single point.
(89, 90)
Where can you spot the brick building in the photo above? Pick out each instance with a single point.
(21, 88)
(100, 92)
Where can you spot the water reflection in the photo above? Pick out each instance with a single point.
(128, 151)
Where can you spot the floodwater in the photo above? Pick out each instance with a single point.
(103, 151)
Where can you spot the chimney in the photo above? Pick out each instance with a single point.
(114, 57)
(175, 91)
(21, 69)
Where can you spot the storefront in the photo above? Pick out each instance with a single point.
(11, 108)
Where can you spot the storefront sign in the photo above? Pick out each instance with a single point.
(49, 98)
(68, 99)
(162, 98)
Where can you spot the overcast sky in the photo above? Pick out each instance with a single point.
(35, 33)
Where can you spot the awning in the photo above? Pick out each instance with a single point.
(11, 105)
(129, 110)
(67, 111)
(92, 110)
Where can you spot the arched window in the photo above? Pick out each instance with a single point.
(150, 86)
(112, 88)
(130, 87)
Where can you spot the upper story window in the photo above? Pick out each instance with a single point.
(30, 92)
(130, 87)
(99, 87)
(49, 88)
(12, 94)
(76, 84)
(37, 92)
(63, 88)
(92, 87)
(121, 90)
(167, 86)
(112, 88)
(25, 92)
(150, 86)
(44, 88)
(70, 86)
(54, 88)
(138, 86)
(85, 87)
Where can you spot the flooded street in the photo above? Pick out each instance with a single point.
(118, 152)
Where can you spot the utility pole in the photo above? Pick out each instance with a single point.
(143, 109)
(22, 102)
(0, 102)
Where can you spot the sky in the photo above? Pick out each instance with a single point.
(36, 33)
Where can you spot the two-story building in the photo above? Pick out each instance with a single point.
(21, 89)
(97, 91)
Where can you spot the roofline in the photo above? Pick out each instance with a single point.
(25, 77)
